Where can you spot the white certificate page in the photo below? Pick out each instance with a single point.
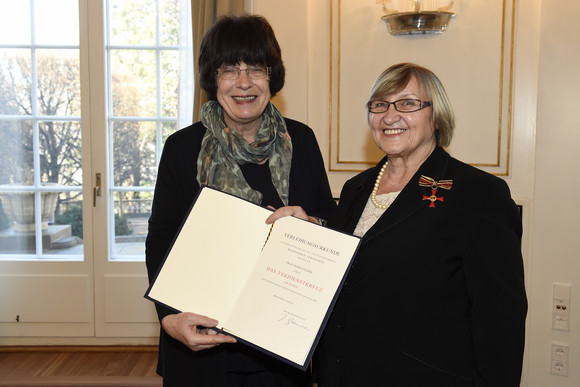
(271, 286)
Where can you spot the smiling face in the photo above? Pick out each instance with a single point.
(404, 135)
(243, 100)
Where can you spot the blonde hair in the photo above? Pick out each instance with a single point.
(396, 78)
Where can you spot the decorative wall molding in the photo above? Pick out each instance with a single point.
(476, 68)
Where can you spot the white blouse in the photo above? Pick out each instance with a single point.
(371, 213)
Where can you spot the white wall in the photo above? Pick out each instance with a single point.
(556, 224)
(544, 175)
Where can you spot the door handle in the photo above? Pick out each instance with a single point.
(96, 188)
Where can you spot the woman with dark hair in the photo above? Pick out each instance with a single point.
(435, 295)
(245, 147)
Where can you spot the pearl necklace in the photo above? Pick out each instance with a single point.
(376, 188)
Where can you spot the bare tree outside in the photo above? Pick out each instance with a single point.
(58, 95)
(40, 109)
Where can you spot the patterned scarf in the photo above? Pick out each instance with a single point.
(223, 150)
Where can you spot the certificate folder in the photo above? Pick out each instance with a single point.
(270, 286)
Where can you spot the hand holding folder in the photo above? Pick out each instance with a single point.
(270, 286)
(194, 331)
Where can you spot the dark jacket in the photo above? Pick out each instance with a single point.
(175, 190)
(435, 296)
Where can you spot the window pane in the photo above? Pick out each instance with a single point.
(58, 83)
(16, 154)
(133, 83)
(14, 22)
(53, 22)
(68, 220)
(169, 22)
(15, 82)
(132, 22)
(60, 152)
(167, 129)
(133, 153)
(17, 222)
(169, 82)
(131, 212)
(61, 228)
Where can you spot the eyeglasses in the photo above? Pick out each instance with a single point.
(407, 105)
(231, 73)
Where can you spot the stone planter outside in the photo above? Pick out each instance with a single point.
(19, 206)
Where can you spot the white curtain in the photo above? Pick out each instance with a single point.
(187, 71)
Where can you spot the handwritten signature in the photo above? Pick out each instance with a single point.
(291, 321)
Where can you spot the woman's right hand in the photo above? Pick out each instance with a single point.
(193, 330)
(295, 211)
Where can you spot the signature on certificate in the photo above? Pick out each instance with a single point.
(289, 320)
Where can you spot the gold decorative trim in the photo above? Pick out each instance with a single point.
(501, 94)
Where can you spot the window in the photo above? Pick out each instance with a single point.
(42, 147)
(40, 151)
(142, 78)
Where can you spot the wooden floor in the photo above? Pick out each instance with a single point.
(78, 366)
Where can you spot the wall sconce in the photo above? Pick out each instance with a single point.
(417, 17)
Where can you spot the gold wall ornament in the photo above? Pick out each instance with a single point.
(417, 16)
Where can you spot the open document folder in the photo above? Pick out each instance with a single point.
(270, 286)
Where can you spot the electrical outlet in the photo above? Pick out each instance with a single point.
(559, 359)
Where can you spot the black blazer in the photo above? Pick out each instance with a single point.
(435, 296)
(175, 190)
